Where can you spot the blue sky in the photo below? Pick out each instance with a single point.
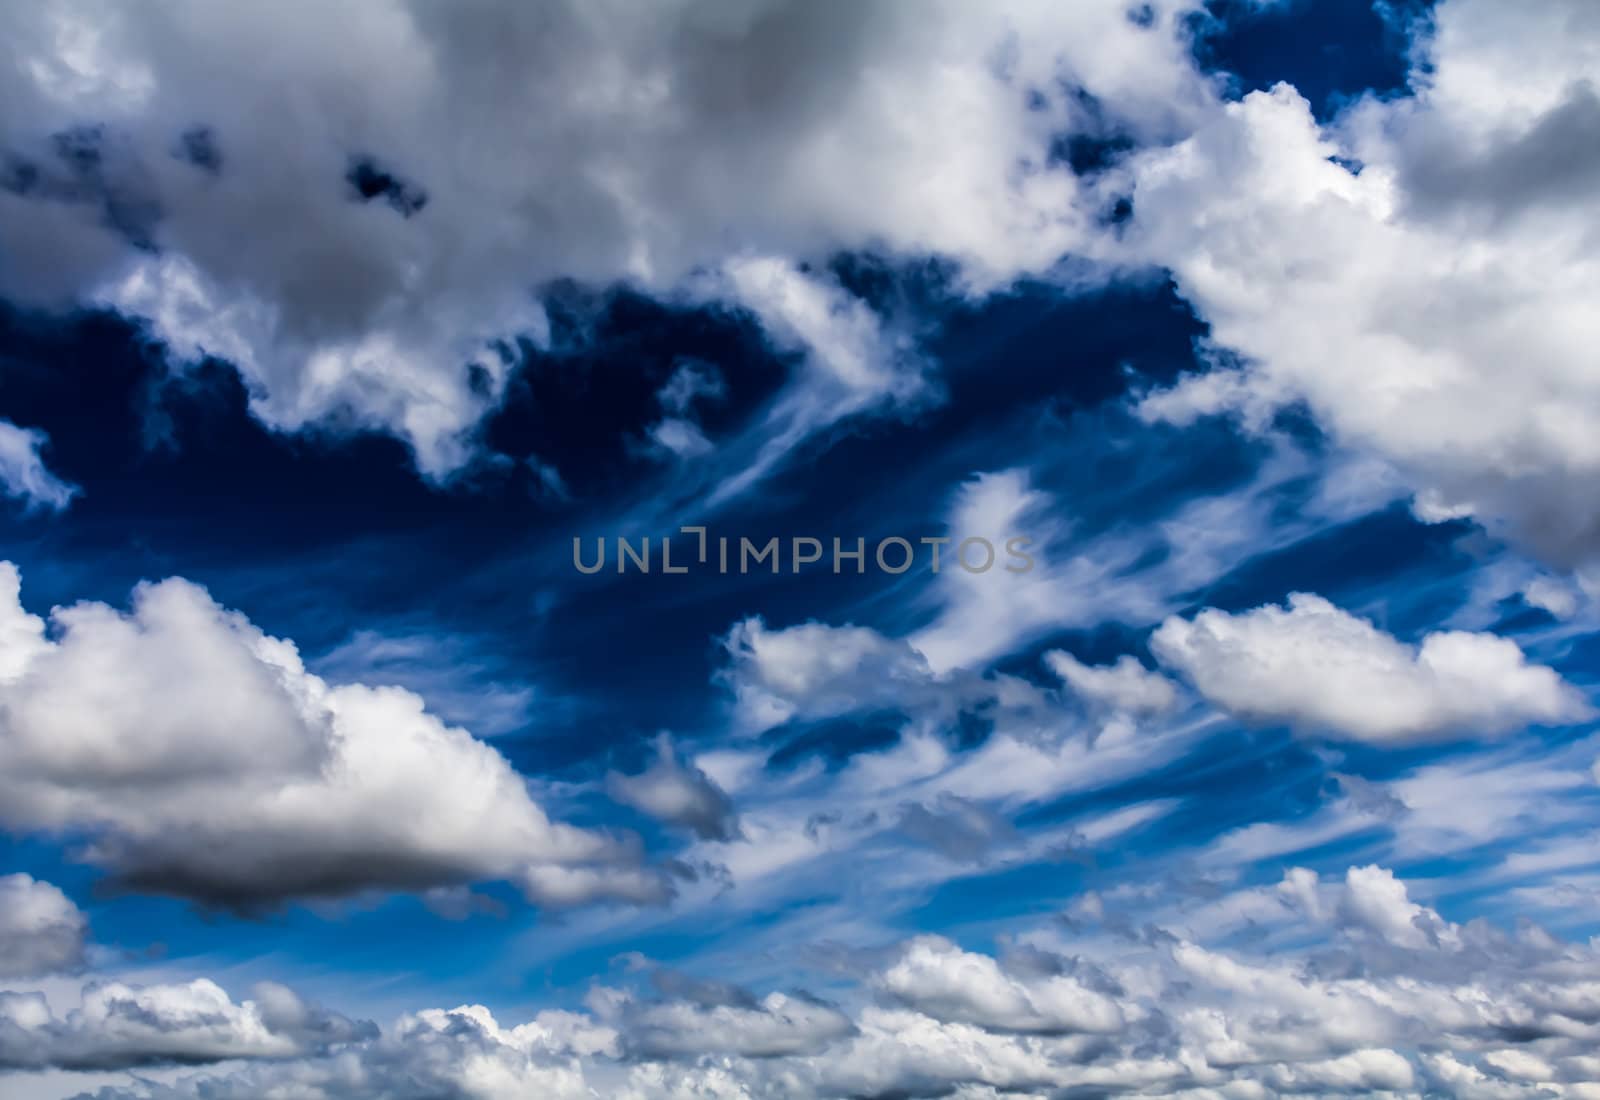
(325, 337)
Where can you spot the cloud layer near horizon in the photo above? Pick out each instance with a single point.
(1402, 1002)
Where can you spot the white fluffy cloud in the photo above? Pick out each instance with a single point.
(1314, 665)
(23, 473)
(939, 979)
(813, 670)
(1421, 274)
(1125, 686)
(1466, 1012)
(774, 1026)
(41, 930)
(202, 759)
(510, 145)
(119, 1026)
(1377, 901)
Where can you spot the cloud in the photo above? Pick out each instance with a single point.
(1419, 273)
(201, 759)
(986, 614)
(23, 474)
(460, 685)
(360, 251)
(125, 1027)
(1125, 686)
(677, 793)
(814, 670)
(1134, 574)
(41, 930)
(1377, 901)
(1358, 1073)
(937, 978)
(956, 827)
(776, 1025)
(851, 362)
(1313, 665)
(1160, 1015)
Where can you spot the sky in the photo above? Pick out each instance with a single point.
(783, 550)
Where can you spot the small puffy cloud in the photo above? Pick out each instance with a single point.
(935, 977)
(681, 437)
(41, 930)
(23, 474)
(814, 670)
(1316, 666)
(1558, 598)
(120, 1026)
(1126, 686)
(678, 793)
(200, 758)
(1375, 900)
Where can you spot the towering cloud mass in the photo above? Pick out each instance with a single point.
(203, 760)
(1421, 272)
(359, 245)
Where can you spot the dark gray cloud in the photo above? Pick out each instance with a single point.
(358, 250)
(678, 793)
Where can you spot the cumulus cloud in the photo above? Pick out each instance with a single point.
(1314, 665)
(23, 474)
(360, 250)
(937, 978)
(124, 1027)
(678, 793)
(814, 670)
(1375, 900)
(1420, 273)
(774, 1026)
(1125, 686)
(1473, 1012)
(41, 930)
(200, 758)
